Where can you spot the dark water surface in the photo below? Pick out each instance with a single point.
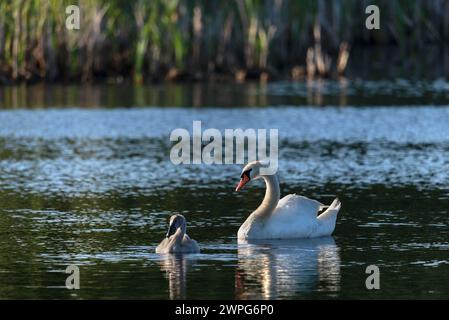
(95, 187)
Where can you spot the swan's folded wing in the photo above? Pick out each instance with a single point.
(294, 217)
(331, 211)
(190, 245)
(295, 205)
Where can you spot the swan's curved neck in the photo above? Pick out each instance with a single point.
(271, 199)
(178, 235)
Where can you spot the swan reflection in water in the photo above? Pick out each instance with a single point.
(176, 267)
(269, 269)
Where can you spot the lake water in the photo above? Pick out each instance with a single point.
(86, 179)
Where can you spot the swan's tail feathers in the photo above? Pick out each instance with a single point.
(335, 205)
(331, 211)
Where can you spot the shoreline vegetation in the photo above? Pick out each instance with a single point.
(238, 40)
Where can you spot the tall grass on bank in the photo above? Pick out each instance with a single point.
(175, 39)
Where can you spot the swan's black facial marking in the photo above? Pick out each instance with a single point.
(245, 178)
(247, 174)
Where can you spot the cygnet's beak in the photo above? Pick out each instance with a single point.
(244, 180)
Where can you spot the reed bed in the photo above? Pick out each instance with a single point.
(153, 40)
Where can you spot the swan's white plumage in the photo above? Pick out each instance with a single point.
(294, 217)
(291, 217)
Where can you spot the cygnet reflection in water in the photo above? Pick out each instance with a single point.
(176, 267)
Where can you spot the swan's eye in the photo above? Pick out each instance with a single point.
(246, 174)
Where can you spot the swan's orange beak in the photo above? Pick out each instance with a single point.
(242, 182)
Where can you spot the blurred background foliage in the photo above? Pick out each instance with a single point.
(153, 40)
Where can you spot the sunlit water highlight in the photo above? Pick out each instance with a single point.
(96, 187)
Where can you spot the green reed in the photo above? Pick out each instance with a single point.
(165, 39)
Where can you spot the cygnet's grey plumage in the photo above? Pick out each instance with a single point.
(176, 240)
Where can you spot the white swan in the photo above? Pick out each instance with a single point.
(176, 240)
(290, 217)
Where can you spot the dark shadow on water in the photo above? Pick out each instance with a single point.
(393, 90)
(271, 269)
